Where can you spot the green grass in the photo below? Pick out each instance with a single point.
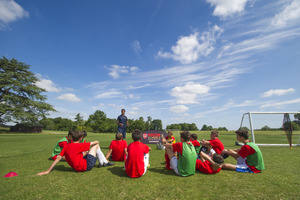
(27, 154)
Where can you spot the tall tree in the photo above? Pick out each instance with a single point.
(97, 122)
(21, 100)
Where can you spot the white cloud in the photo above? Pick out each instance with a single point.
(136, 47)
(107, 95)
(179, 108)
(226, 8)
(10, 11)
(132, 96)
(188, 93)
(289, 14)
(278, 92)
(116, 70)
(48, 85)
(189, 48)
(280, 104)
(69, 97)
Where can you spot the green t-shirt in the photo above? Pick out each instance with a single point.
(57, 149)
(255, 159)
(187, 161)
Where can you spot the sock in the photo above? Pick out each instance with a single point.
(101, 157)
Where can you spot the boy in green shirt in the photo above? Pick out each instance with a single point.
(186, 162)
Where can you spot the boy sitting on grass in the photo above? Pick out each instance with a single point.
(249, 157)
(138, 156)
(74, 157)
(60, 145)
(214, 141)
(170, 139)
(209, 165)
(196, 142)
(117, 149)
(185, 165)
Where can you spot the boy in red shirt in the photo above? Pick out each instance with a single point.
(209, 165)
(196, 142)
(117, 149)
(214, 141)
(186, 162)
(138, 156)
(249, 157)
(74, 157)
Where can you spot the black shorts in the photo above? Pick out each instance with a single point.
(90, 161)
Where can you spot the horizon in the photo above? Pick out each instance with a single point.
(203, 62)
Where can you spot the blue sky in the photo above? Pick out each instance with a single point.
(195, 61)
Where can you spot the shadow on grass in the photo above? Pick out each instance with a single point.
(119, 171)
(63, 168)
(162, 170)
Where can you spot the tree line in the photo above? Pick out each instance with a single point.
(98, 122)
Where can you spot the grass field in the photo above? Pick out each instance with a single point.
(27, 154)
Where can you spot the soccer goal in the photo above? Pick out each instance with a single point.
(271, 128)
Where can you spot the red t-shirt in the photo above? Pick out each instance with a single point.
(217, 145)
(178, 147)
(206, 167)
(196, 143)
(118, 150)
(245, 151)
(134, 164)
(73, 155)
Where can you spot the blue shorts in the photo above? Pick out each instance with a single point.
(123, 131)
(237, 169)
(90, 161)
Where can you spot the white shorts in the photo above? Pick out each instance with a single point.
(241, 163)
(173, 164)
(146, 162)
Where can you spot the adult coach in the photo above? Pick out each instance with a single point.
(122, 123)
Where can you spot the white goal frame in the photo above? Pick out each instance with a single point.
(252, 130)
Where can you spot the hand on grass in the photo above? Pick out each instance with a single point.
(43, 173)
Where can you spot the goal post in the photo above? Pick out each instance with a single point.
(252, 124)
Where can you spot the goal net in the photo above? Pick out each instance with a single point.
(266, 128)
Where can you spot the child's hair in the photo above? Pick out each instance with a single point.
(84, 134)
(215, 132)
(243, 133)
(185, 135)
(194, 136)
(170, 132)
(136, 135)
(76, 135)
(122, 109)
(119, 136)
(217, 158)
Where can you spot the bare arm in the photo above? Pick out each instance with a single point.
(126, 152)
(94, 143)
(234, 153)
(51, 167)
(213, 164)
(108, 153)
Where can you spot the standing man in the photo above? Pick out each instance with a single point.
(122, 123)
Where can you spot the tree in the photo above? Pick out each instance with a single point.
(156, 124)
(79, 120)
(97, 121)
(265, 128)
(20, 99)
(204, 128)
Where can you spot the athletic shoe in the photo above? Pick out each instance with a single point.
(108, 164)
(100, 165)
